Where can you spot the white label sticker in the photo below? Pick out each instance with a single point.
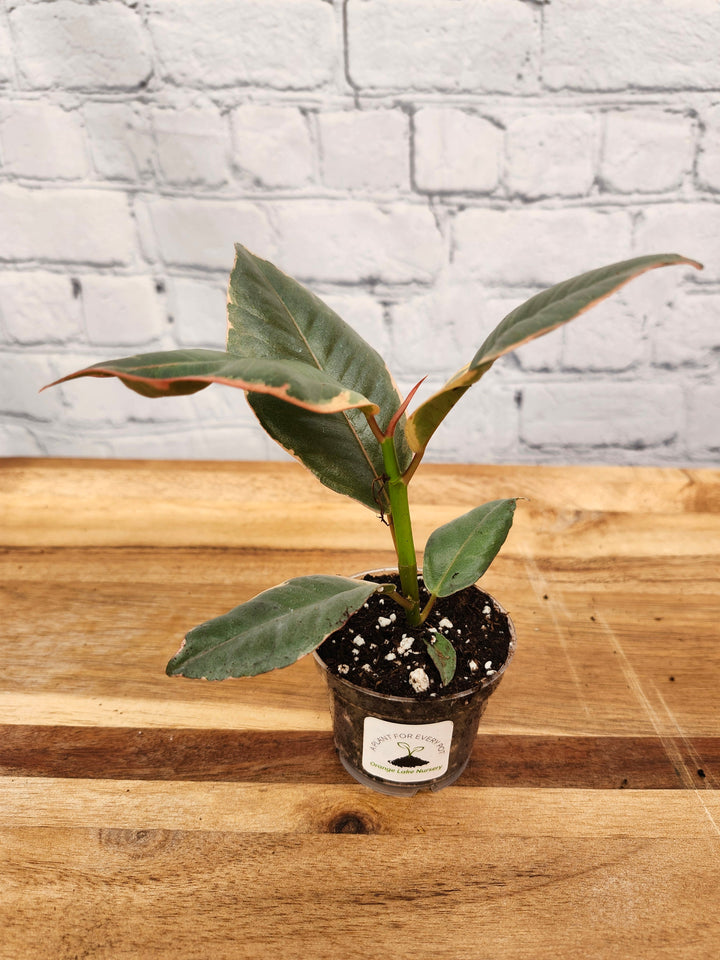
(406, 752)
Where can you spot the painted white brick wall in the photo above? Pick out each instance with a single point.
(423, 165)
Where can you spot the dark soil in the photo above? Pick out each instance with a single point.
(408, 761)
(378, 656)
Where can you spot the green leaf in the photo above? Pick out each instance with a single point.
(271, 315)
(272, 630)
(177, 372)
(458, 553)
(442, 653)
(538, 315)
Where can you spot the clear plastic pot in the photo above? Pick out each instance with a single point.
(398, 745)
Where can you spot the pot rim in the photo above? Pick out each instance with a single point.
(485, 682)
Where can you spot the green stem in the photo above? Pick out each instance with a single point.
(428, 608)
(402, 530)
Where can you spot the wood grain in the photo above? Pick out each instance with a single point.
(148, 817)
(95, 753)
(170, 893)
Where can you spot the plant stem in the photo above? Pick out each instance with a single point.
(428, 608)
(402, 530)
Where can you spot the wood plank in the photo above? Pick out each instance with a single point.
(168, 893)
(326, 809)
(597, 645)
(497, 760)
(603, 488)
(177, 524)
(147, 817)
(573, 510)
(199, 565)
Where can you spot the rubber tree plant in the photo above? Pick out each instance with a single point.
(327, 397)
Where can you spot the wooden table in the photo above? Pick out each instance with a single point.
(143, 816)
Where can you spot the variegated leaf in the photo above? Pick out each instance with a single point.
(271, 315)
(537, 316)
(272, 630)
(178, 372)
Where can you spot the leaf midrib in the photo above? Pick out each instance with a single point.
(464, 544)
(319, 366)
(270, 621)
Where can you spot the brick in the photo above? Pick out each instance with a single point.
(272, 146)
(365, 315)
(356, 241)
(193, 146)
(68, 441)
(121, 140)
(21, 377)
(18, 441)
(456, 150)
(89, 401)
(670, 45)
(365, 150)
(687, 331)
(80, 45)
(121, 310)
(6, 57)
(283, 44)
(601, 414)
(196, 442)
(220, 405)
(202, 233)
(551, 154)
(708, 164)
(703, 420)
(437, 332)
(39, 307)
(482, 428)
(198, 309)
(692, 229)
(65, 226)
(42, 140)
(432, 45)
(538, 247)
(646, 151)
(611, 336)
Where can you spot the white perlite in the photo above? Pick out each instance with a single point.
(419, 680)
(359, 641)
(405, 645)
(445, 624)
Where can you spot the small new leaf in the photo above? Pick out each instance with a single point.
(458, 553)
(442, 653)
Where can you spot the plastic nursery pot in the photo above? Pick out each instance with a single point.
(401, 745)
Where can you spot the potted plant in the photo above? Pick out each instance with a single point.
(410, 656)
